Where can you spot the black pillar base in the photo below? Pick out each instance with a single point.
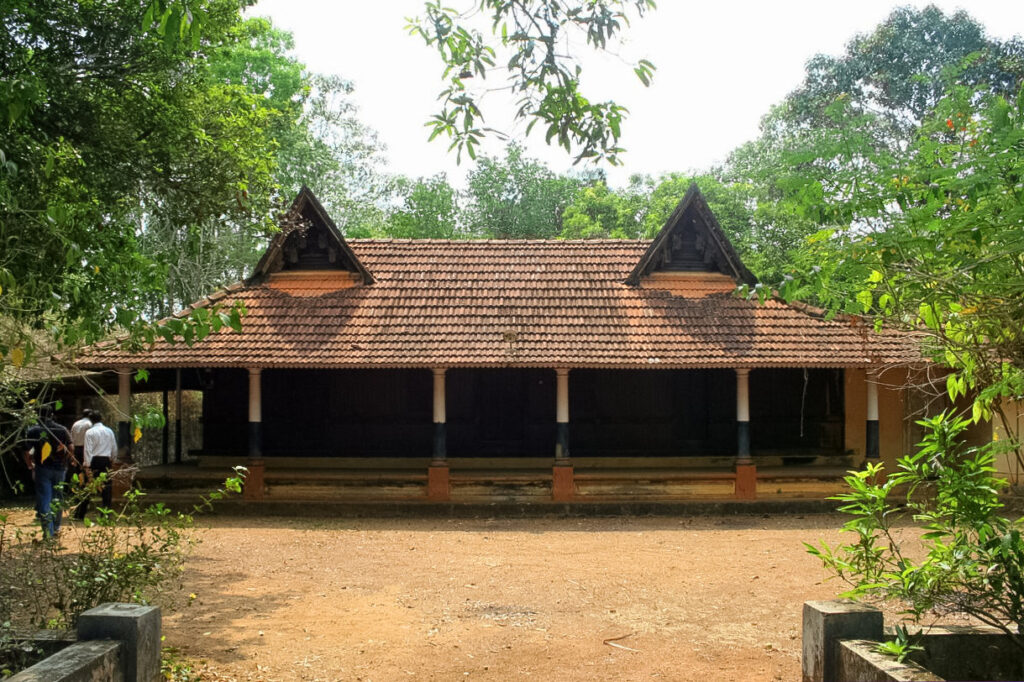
(743, 441)
(255, 440)
(562, 443)
(440, 453)
(872, 445)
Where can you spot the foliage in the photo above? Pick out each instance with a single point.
(900, 648)
(542, 71)
(859, 114)
(110, 129)
(517, 197)
(974, 559)
(135, 553)
(430, 210)
(930, 240)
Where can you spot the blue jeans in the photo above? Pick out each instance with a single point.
(49, 498)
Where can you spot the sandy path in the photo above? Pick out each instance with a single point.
(697, 598)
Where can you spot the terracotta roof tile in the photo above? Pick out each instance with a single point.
(512, 303)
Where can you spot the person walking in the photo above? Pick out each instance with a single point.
(100, 451)
(77, 466)
(47, 451)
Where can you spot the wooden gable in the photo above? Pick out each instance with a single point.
(691, 241)
(309, 241)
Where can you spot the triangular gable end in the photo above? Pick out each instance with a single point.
(691, 241)
(309, 240)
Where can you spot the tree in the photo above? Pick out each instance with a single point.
(892, 79)
(930, 241)
(517, 197)
(534, 39)
(430, 210)
(108, 128)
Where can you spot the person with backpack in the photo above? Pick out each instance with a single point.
(47, 452)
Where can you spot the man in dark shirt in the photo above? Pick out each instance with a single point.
(47, 451)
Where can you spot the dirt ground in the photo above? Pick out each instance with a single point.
(494, 599)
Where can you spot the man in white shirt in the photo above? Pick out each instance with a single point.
(77, 464)
(100, 451)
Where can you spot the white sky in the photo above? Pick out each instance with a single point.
(721, 65)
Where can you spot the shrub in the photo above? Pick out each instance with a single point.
(135, 553)
(973, 561)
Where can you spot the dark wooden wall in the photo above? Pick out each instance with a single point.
(511, 412)
(336, 413)
(652, 413)
(788, 417)
(495, 412)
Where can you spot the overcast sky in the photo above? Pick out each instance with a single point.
(721, 65)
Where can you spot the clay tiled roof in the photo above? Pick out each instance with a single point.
(509, 303)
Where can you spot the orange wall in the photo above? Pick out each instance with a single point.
(855, 401)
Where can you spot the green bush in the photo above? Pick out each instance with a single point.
(135, 553)
(973, 559)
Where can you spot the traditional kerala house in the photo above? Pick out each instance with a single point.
(589, 369)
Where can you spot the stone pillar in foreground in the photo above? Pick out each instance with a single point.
(562, 484)
(827, 622)
(746, 472)
(438, 487)
(137, 627)
(253, 489)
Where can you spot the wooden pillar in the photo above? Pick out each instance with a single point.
(438, 488)
(254, 479)
(124, 414)
(563, 486)
(746, 472)
(177, 416)
(871, 443)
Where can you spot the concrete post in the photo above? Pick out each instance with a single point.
(136, 627)
(438, 487)
(746, 472)
(253, 489)
(825, 624)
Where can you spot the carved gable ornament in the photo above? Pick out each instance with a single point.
(691, 241)
(309, 241)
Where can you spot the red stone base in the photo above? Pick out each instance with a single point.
(563, 487)
(438, 489)
(252, 489)
(746, 482)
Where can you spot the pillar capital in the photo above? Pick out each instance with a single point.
(742, 371)
(255, 371)
(439, 371)
(562, 371)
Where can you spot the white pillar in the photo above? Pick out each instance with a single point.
(562, 414)
(255, 414)
(562, 388)
(743, 416)
(439, 395)
(871, 426)
(872, 386)
(440, 449)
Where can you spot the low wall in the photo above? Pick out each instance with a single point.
(114, 642)
(839, 640)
